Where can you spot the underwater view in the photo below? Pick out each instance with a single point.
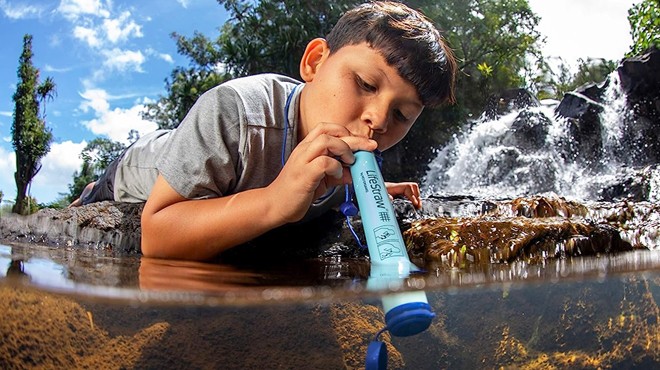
(86, 309)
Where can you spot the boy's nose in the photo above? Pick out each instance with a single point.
(375, 120)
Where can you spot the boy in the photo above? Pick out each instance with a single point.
(259, 152)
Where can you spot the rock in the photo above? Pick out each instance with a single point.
(640, 75)
(533, 226)
(575, 104)
(507, 101)
(482, 240)
(528, 132)
(635, 185)
(105, 225)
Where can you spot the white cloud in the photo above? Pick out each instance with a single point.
(183, 3)
(74, 9)
(95, 99)
(7, 169)
(21, 11)
(121, 28)
(163, 56)
(114, 123)
(7, 114)
(49, 68)
(88, 35)
(57, 171)
(123, 60)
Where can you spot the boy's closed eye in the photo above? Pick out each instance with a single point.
(400, 116)
(364, 85)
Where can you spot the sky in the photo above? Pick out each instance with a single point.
(109, 58)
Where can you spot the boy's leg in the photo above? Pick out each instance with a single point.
(103, 188)
(88, 188)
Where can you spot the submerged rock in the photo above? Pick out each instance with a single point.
(459, 241)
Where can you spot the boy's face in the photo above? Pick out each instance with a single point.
(356, 88)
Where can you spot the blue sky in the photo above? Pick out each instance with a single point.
(110, 57)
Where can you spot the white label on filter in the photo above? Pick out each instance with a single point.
(387, 242)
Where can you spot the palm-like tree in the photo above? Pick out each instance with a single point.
(46, 91)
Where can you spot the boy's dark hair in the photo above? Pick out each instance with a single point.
(407, 40)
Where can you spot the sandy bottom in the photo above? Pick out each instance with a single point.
(610, 324)
(45, 331)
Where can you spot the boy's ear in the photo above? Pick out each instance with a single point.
(315, 54)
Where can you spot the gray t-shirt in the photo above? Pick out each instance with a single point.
(232, 140)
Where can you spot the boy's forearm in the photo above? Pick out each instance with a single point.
(201, 229)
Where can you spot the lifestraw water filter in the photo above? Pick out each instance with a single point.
(406, 313)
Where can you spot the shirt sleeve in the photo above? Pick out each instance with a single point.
(201, 159)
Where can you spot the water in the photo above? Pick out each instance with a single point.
(81, 308)
(531, 151)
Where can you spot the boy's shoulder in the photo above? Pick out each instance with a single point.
(265, 83)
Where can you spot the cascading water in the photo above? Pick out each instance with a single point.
(534, 151)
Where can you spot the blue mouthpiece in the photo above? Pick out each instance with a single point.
(409, 319)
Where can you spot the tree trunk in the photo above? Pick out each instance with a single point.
(22, 181)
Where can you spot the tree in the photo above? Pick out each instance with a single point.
(30, 137)
(644, 21)
(494, 42)
(266, 36)
(592, 70)
(271, 36)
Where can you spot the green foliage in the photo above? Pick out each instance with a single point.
(30, 137)
(100, 152)
(60, 203)
(591, 70)
(29, 206)
(493, 40)
(271, 36)
(644, 21)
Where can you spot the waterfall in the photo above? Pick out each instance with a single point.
(535, 151)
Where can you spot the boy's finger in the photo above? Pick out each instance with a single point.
(360, 143)
(326, 145)
(325, 128)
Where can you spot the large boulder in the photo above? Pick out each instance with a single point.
(639, 142)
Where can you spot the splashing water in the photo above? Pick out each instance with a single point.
(532, 151)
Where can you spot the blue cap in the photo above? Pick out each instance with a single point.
(376, 356)
(348, 209)
(409, 319)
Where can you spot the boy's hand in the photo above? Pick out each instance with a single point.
(312, 168)
(408, 189)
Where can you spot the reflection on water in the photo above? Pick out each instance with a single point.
(75, 309)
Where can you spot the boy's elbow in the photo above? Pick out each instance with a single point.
(147, 243)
